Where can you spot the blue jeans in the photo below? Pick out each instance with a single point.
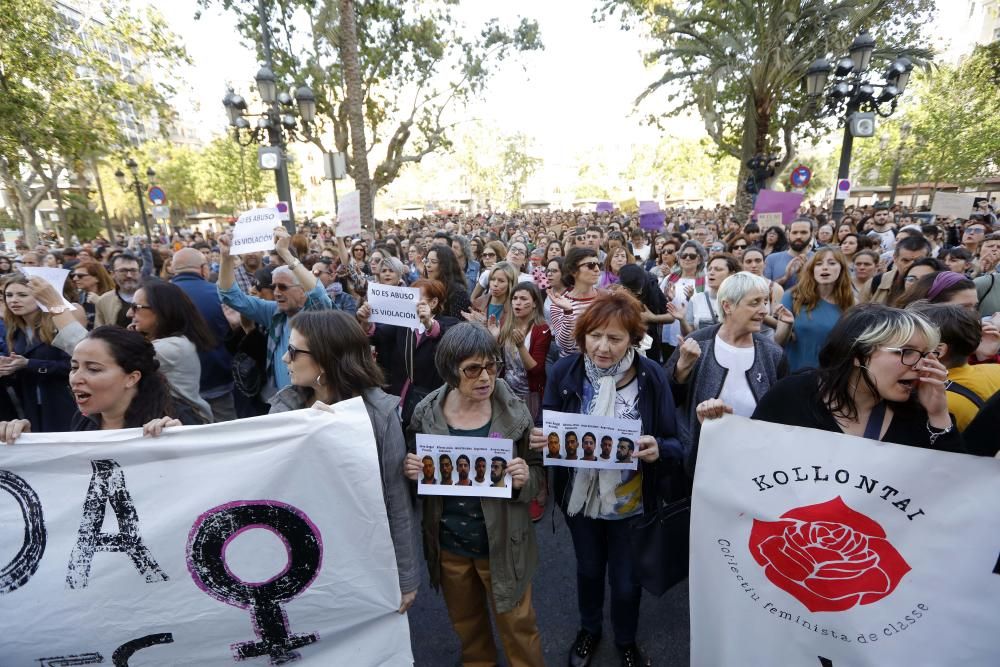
(601, 546)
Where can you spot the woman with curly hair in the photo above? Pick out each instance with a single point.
(810, 310)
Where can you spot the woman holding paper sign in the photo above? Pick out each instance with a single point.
(609, 378)
(35, 368)
(329, 360)
(481, 552)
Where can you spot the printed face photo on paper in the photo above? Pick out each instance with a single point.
(460, 466)
(589, 441)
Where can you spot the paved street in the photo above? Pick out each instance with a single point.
(663, 630)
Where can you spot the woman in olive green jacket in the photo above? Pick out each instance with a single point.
(481, 552)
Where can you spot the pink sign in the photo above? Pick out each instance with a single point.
(773, 201)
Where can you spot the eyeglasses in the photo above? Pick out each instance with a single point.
(909, 356)
(473, 371)
(488, 254)
(282, 287)
(126, 272)
(740, 247)
(77, 276)
(589, 265)
(688, 256)
(975, 230)
(294, 352)
(667, 251)
(137, 307)
(551, 270)
(516, 251)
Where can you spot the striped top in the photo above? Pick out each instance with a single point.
(564, 323)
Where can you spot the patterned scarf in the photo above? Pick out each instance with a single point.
(594, 490)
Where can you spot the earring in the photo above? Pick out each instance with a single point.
(319, 380)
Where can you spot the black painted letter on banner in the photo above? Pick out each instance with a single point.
(17, 572)
(125, 651)
(107, 486)
(210, 535)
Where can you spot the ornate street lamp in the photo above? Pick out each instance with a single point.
(139, 188)
(854, 98)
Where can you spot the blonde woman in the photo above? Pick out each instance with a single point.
(493, 307)
(810, 311)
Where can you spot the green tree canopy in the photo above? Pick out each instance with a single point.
(416, 62)
(952, 127)
(67, 85)
(740, 63)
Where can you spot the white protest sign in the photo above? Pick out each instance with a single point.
(461, 466)
(258, 541)
(254, 231)
(816, 548)
(53, 276)
(349, 214)
(394, 305)
(590, 441)
(765, 220)
(953, 205)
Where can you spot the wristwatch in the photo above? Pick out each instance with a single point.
(294, 264)
(59, 310)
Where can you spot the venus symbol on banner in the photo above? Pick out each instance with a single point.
(283, 556)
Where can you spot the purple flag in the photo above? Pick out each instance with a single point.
(603, 206)
(652, 221)
(785, 203)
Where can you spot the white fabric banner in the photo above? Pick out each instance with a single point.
(248, 542)
(254, 231)
(815, 548)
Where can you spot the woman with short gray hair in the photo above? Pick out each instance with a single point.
(731, 361)
(481, 552)
(391, 271)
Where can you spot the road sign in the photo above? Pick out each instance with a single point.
(161, 212)
(282, 207)
(156, 194)
(843, 189)
(801, 176)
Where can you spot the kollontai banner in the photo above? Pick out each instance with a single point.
(815, 548)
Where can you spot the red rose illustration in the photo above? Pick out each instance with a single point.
(827, 556)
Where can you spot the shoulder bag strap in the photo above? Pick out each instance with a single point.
(962, 390)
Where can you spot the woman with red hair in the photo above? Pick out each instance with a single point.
(610, 378)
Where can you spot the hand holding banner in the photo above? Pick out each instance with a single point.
(254, 231)
(53, 276)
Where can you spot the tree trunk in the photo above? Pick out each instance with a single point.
(355, 111)
(27, 214)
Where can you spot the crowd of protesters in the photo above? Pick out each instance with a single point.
(883, 324)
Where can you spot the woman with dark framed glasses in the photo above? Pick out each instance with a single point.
(878, 378)
(581, 272)
(481, 552)
(329, 360)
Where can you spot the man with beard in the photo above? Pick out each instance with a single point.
(607, 444)
(427, 464)
(883, 228)
(783, 267)
(244, 274)
(571, 446)
(463, 471)
(480, 478)
(112, 307)
(589, 446)
(554, 446)
(625, 446)
(446, 467)
(498, 468)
